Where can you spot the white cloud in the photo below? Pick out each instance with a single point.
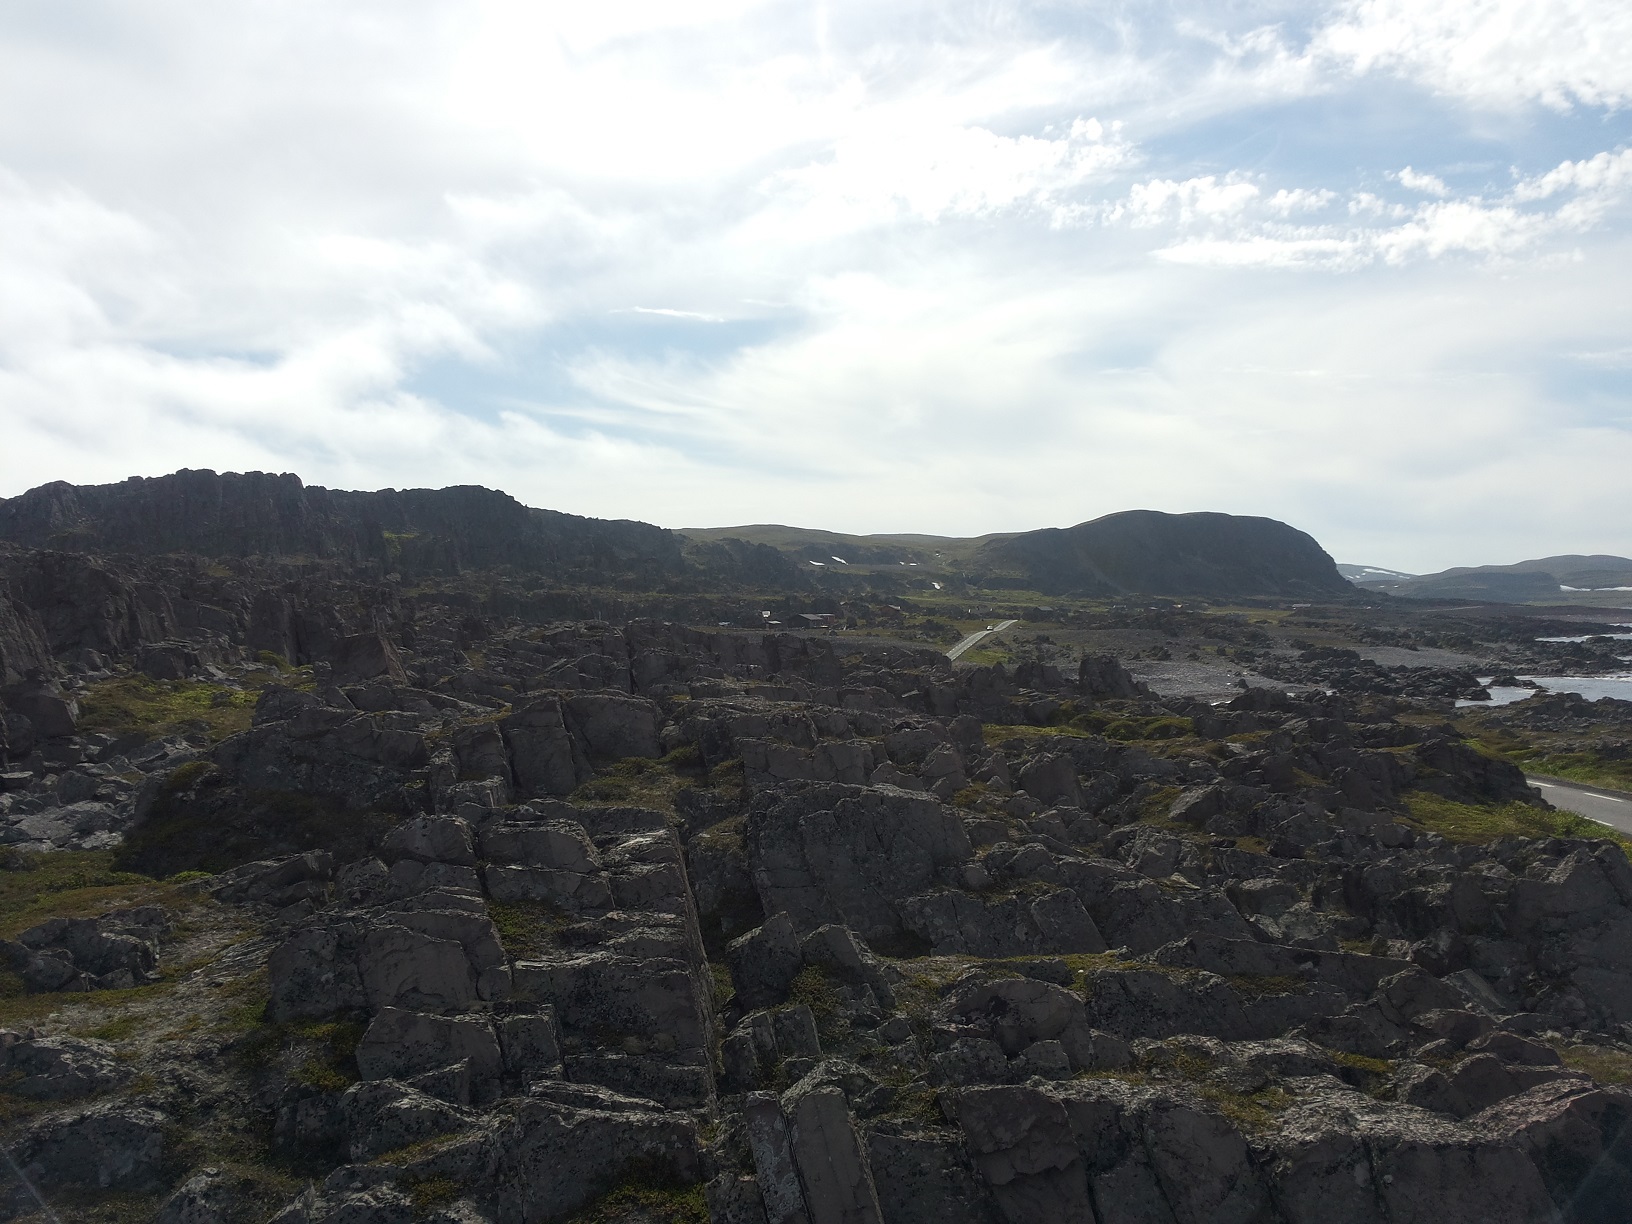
(1492, 52)
(1602, 176)
(1502, 229)
(1298, 200)
(671, 313)
(1427, 184)
(1206, 198)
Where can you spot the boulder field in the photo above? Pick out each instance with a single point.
(480, 920)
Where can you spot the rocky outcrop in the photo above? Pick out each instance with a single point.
(58, 1068)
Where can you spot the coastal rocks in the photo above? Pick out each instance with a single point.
(401, 1044)
(1338, 1156)
(954, 921)
(104, 1147)
(300, 745)
(366, 656)
(1579, 1137)
(411, 959)
(57, 1068)
(1457, 771)
(211, 1196)
(116, 951)
(552, 861)
(614, 726)
(277, 882)
(809, 1159)
(49, 712)
(545, 757)
(765, 961)
(1022, 1016)
(556, 1156)
(849, 855)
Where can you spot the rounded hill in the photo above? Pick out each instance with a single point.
(1154, 553)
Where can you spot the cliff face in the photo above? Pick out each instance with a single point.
(415, 531)
(1152, 553)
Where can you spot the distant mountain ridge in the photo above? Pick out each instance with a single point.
(424, 532)
(1541, 580)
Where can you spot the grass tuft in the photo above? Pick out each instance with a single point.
(816, 990)
(1466, 822)
(67, 884)
(646, 1202)
(127, 705)
(1607, 1066)
(527, 928)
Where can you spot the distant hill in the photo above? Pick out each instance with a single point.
(411, 531)
(1542, 580)
(1153, 553)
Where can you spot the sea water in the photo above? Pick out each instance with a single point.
(1616, 685)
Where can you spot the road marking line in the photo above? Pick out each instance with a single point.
(1580, 790)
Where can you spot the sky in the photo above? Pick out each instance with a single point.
(952, 267)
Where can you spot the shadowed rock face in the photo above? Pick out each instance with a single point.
(1165, 554)
(22, 642)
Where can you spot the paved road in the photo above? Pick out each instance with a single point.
(1612, 808)
(976, 637)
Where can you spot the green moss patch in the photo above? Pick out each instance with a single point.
(647, 1202)
(1589, 768)
(321, 1054)
(128, 705)
(1253, 986)
(640, 782)
(819, 992)
(68, 884)
(1607, 1066)
(527, 929)
(1258, 1111)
